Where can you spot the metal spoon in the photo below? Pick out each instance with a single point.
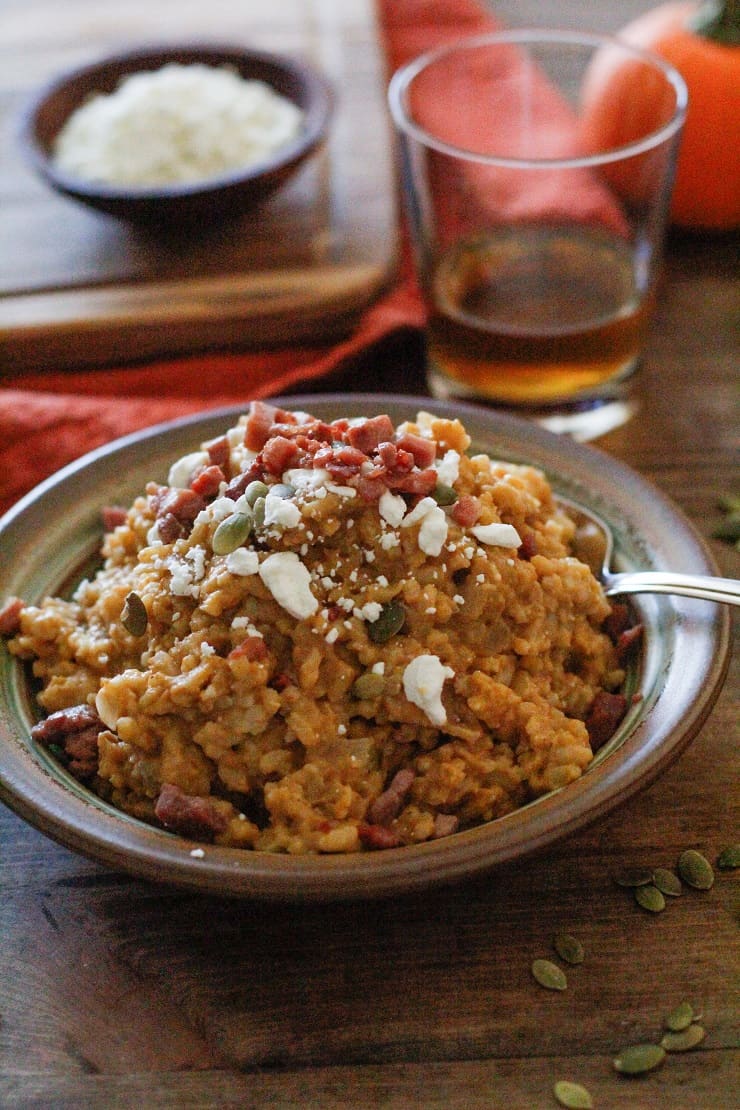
(598, 546)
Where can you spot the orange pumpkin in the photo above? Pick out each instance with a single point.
(621, 105)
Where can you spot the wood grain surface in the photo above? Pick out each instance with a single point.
(81, 288)
(116, 993)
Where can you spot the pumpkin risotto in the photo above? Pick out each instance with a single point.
(329, 637)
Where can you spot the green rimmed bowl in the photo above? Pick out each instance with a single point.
(48, 539)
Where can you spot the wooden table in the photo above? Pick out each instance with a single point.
(117, 993)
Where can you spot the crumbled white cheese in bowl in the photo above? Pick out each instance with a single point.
(179, 123)
(164, 133)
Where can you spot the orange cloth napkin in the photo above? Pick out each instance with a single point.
(48, 419)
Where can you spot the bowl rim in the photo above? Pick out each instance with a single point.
(690, 679)
(320, 99)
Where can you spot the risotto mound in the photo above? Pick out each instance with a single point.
(328, 637)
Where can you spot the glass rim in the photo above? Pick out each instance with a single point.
(405, 74)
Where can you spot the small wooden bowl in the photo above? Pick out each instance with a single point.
(212, 198)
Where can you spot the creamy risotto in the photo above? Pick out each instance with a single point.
(329, 637)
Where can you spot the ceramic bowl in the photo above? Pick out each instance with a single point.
(48, 539)
(228, 194)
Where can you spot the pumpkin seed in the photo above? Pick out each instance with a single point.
(368, 685)
(729, 858)
(253, 491)
(443, 494)
(282, 489)
(683, 1040)
(231, 533)
(639, 1058)
(650, 898)
(549, 975)
(134, 616)
(667, 882)
(258, 511)
(680, 1017)
(695, 869)
(391, 620)
(634, 876)
(572, 1095)
(568, 948)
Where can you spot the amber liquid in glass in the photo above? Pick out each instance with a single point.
(534, 315)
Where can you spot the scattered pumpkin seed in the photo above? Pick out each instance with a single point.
(444, 495)
(231, 533)
(667, 882)
(729, 503)
(634, 876)
(254, 490)
(134, 617)
(568, 948)
(368, 685)
(729, 858)
(683, 1040)
(728, 529)
(695, 869)
(572, 1095)
(391, 620)
(549, 975)
(680, 1017)
(639, 1058)
(650, 898)
(258, 511)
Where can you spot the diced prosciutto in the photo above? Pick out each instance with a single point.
(367, 437)
(262, 417)
(466, 511)
(603, 717)
(445, 824)
(75, 731)
(188, 814)
(279, 454)
(388, 805)
(253, 648)
(423, 450)
(219, 452)
(176, 509)
(113, 516)
(207, 481)
(418, 482)
(378, 836)
(10, 616)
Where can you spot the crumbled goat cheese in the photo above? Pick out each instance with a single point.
(289, 582)
(423, 680)
(370, 611)
(433, 530)
(392, 508)
(302, 478)
(176, 124)
(182, 471)
(342, 491)
(282, 511)
(186, 573)
(497, 535)
(242, 562)
(448, 467)
(378, 668)
(389, 540)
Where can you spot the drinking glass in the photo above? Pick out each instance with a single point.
(537, 232)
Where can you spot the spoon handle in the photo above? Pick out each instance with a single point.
(687, 585)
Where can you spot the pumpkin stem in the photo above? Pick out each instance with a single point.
(718, 20)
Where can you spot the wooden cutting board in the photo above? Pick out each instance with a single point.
(78, 288)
